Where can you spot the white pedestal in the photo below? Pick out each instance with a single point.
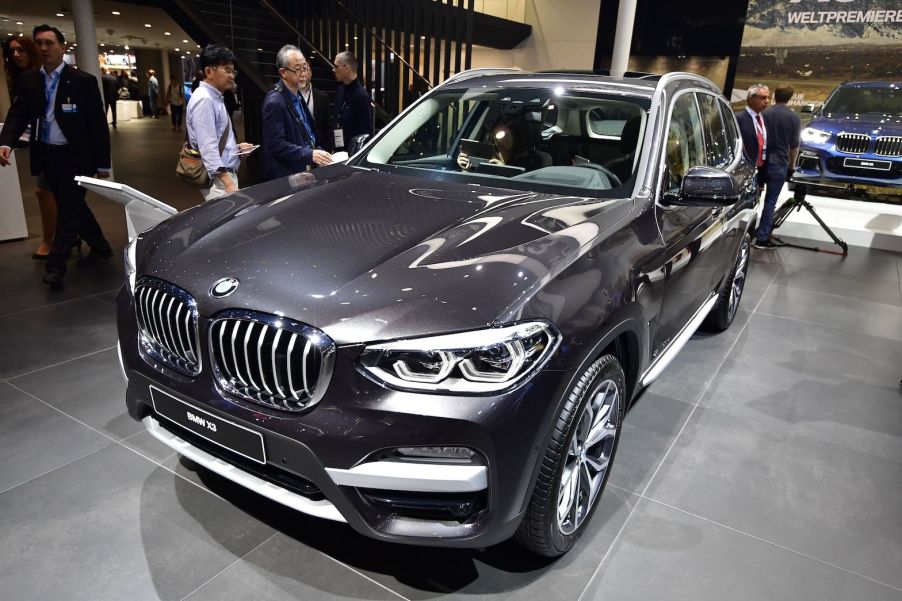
(12, 213)
(857, 222)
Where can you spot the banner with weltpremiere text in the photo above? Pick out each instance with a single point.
(813, 45)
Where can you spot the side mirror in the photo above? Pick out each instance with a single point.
(358, 142)
(705, 187)
(807, 108)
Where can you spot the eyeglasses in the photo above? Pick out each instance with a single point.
(299, 70)
(228, 71)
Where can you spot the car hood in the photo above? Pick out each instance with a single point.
(870, 124)
(367, 256)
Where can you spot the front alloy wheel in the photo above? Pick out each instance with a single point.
(577, 460)
(721, 316)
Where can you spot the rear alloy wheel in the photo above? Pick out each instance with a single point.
(721, 316)
(577, 461)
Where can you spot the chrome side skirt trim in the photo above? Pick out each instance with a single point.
(419, 477)
(658, 365)
(321, 509)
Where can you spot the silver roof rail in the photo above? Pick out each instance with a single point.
(470, 73)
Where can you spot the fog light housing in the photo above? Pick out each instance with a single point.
(454, 453)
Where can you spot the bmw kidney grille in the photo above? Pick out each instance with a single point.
(167, 317)
(270, 360)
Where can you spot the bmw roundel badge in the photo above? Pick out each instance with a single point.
(224, 287)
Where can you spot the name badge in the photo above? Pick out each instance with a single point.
(339, 138)
(69, 108)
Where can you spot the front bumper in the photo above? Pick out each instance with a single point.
(335, 461)
(824, 165)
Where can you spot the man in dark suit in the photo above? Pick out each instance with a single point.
(289, 135)
(318, 103)
(110, 93)
(752, 128)
(353, 111)
(70, 137)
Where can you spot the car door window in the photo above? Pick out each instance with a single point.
(685, 145)
(729, 124)
(717, 149)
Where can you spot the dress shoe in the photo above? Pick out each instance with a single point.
(40, 257)
(94, 257)
(55, 279)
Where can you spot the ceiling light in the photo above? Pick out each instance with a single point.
(60, 15)
(166, 33)
(177, 50)
(147, 25)
(19, 23)
(259, 49)
(126, 46)
(116, 12)
(102, 45)
(183, 56)
(184, 41)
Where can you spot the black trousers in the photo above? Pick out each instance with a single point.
(111, 105)
(73, 217)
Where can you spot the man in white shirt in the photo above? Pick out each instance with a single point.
(208, 123)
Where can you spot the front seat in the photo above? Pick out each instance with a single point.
(622, 166)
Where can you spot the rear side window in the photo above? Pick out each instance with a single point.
(685, 145)
(729, 122)
(717, 148)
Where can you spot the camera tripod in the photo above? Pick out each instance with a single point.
(797, 203)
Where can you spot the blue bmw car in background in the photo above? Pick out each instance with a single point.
(855, 141)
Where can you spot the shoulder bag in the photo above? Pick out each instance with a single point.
(190, 167)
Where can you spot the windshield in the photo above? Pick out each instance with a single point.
(879, 101)
(547, 140)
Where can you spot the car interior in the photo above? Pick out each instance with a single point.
(556, 139)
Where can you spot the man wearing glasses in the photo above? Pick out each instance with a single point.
(209, 129)
(289, 134)
(353, 113)
(318, 103)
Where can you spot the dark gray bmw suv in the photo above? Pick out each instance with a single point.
(437, 341)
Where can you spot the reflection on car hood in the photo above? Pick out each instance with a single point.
(365, 256)
(873, 124)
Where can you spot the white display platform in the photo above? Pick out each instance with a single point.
(858, 223)
(125, 111)
(12, 213)
(142, 212)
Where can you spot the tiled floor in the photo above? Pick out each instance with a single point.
(766, 463)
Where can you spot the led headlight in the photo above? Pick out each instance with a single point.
(817, 136)
(481, 361)
(130, 264)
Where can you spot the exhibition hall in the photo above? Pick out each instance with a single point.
(451, 299)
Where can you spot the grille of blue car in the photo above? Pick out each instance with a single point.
(853, 143)
(889, 146)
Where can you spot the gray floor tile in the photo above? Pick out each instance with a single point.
(852, 286)
(282, 569)
(145, 444)
(828, 384)
(666, 554)
(811, 496)
(35, 438)
(116, 526)
(648, 431)
(90, 389)
(863, 262)
(761, 270)
(830, 310)
(54, 334)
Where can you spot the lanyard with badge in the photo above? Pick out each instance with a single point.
(49, 115)
(339, 132)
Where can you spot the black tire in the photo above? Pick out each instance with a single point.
(723, 313)
(542, 531)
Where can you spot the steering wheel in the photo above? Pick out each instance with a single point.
(612, 177)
